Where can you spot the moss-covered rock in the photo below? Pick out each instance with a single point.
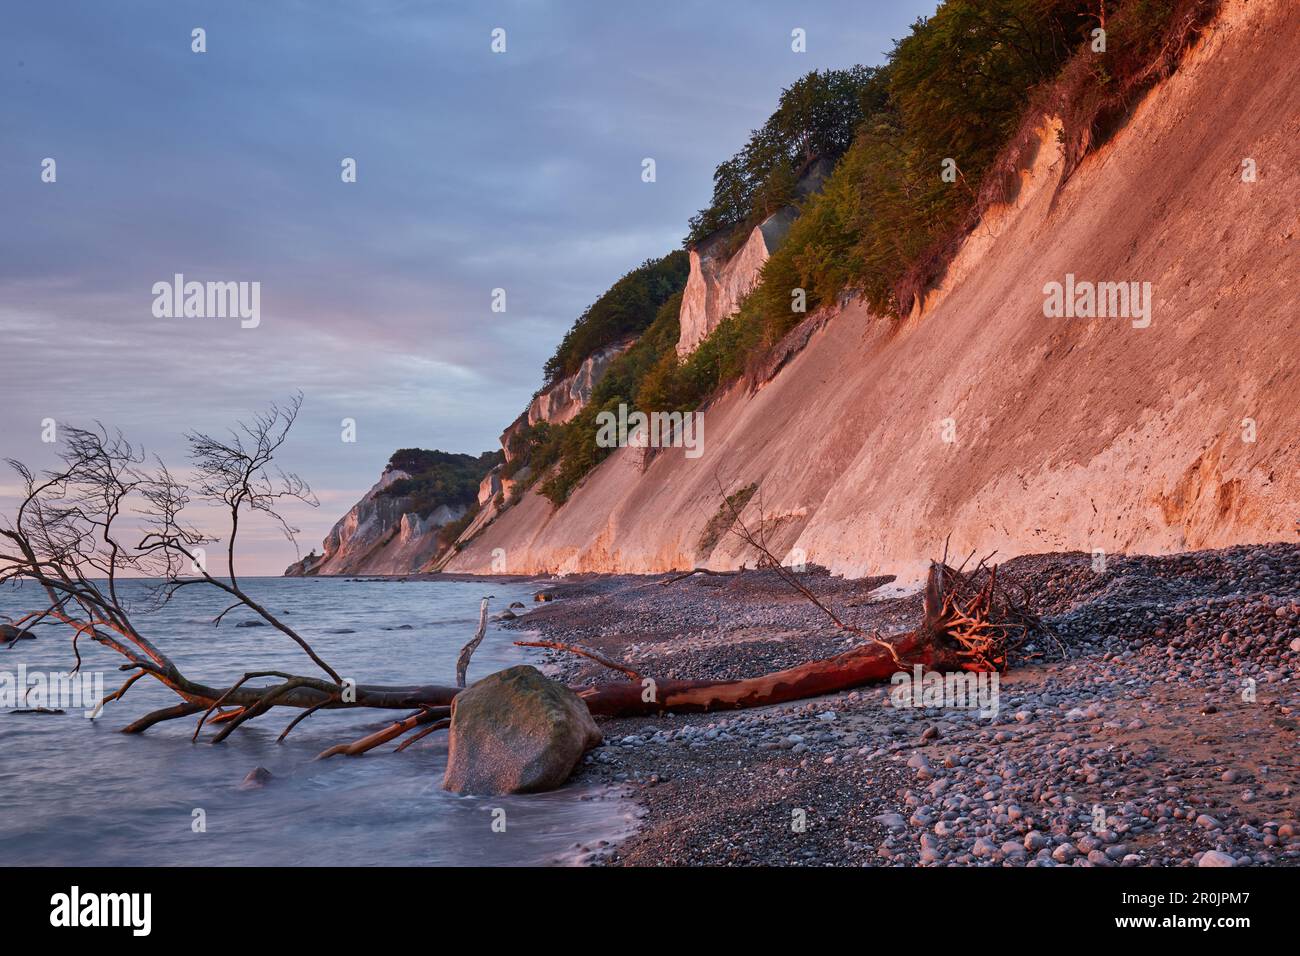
(516, 731)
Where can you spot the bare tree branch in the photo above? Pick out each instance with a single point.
(466, 652)
(584, 652)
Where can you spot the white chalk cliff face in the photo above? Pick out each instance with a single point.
(563, 400)
(379, 535)
(490, 486)
(716, 285)
(1061, 434)
(492, 493)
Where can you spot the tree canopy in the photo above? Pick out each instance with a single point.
(816, 118)
(439, 477)
(625, 309)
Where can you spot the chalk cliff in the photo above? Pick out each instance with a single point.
(717, 283)
(381, 534)
(563, 400)
(385, 533)
(720, 278)
(980, 417)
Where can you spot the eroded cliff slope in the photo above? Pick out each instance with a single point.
(983, 418)
(380, 534)
(421, 501)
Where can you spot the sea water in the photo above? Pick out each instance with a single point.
(75, 791)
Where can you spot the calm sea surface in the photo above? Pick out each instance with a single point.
(77, 792)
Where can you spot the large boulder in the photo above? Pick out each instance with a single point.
(9, 633)
(516, 731)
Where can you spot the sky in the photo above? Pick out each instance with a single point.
(475, 170)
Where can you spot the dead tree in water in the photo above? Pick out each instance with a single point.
(106, 512)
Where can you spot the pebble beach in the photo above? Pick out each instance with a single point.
(1154, 726)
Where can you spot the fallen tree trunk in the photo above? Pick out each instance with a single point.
(934, 645)
(391, 732)
(968, 624)
(707, 571)
(862, 665)
(956, 633)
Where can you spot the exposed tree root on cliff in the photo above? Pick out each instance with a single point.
(66, 539)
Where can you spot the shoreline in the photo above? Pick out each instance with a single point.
(1131, 742)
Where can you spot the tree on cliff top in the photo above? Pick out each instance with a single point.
(625, 309)
(946, 126)
(815, 118)
(439, 477)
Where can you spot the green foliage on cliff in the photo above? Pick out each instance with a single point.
(560, 455)
(439, 478)
(625, 310)
(816, 118)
